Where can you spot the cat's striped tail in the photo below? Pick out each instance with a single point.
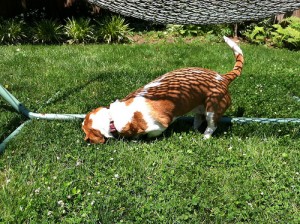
(239, 61)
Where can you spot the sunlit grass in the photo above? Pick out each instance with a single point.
(246, 173)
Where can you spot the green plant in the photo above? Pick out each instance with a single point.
(174, 29)
(258, 35)
(184, 30)
(224, 30)
(257, 32)
(79, 30)
(209, 32)
(113, 29)
(12, 31)
(47, 31)
(188, 30)
(287, 34)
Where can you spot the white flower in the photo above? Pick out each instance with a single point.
(249, 204)
(61, 203)
(92, 203)
(116, 176)
(37, 191)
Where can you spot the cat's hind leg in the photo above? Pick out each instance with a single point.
(199, 117)
(211, 125)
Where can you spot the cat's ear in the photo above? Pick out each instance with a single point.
(94, 136)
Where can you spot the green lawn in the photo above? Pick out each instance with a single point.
(246, 173)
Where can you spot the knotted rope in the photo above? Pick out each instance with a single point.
(197, 11)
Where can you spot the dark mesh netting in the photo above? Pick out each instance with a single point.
(197, 11)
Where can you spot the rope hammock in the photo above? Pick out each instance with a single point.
(197, 11)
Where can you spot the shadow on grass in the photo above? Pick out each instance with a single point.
(7, 108)
(11, 126)
(243, 131)
(75, 89)
(184, 125)
(247, 130)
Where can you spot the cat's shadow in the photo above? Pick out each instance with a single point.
(185, 125)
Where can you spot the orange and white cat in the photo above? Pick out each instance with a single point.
(152, 108)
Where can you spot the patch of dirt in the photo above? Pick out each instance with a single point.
(157, 38)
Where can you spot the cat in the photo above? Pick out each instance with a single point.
(153, 107)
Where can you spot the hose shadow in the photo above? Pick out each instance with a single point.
(12, 125)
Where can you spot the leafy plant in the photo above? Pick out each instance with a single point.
(184, 30)
(174, 29)
(287, 34)
(224, 30)
(12, 31)
(258, 35)
(113, 29)
(210, 32)
(47, 31)
(188, 30)
(79, 30)
(259, 32)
